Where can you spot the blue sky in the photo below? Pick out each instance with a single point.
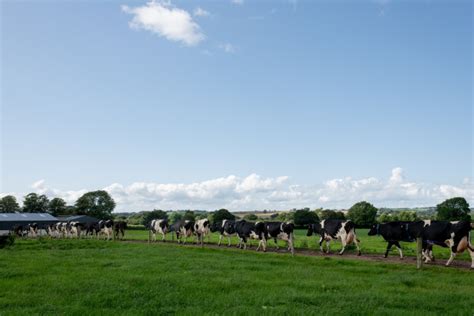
(259, 104)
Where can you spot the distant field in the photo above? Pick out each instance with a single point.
(118, 278)
(369, 244)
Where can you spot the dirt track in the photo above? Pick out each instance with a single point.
(459, 264)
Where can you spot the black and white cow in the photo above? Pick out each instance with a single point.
(32, 229)
(20, 231)
(62, 228)
(455, 235)
(91, 229)
(74, 229)
(226, 228)
(283, 231)
(119, 229)
(334, 229)
(159, 226)
(52, 230)
(248, 230)
(183, 229)
(106, 228)
(202, 229)
(397, 231)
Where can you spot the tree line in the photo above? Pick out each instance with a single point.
(100, 204)
(97, 204)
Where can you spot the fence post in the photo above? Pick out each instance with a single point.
(419, 259)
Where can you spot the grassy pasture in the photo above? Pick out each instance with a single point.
(110, 278)
(369, 244)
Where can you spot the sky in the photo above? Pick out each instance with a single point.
(238, 104)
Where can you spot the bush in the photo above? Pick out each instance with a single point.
(455, 209)
(251, 217)
(363, 214)
(7, 240)
(222, 214)
(304, 217)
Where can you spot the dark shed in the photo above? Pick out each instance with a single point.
(84, 219)
(9, 220)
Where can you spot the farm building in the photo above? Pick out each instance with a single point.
(83, 219)
(9, 220)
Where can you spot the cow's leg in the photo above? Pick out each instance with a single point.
(290, 244)
(471, 253)
(399, 247)
(343, 242)
(328, 245)
(357, 243)
(276, 243)
(389, 246)
(163, 236)
(228, 241)
(451, 258)
(321, 244)
(220, 240)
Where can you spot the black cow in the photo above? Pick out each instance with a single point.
(91, 229)
(226, 228)
(283, 231)
(248, 230)
(394, 232)
(119, 229)
(183, 229)
(455, 235)
(333, 229)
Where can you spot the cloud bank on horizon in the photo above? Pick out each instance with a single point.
(256, 192)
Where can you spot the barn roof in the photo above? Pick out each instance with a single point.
(28, 217)
(79, 218)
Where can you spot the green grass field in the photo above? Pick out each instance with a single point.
(92, 277)
(369, 244)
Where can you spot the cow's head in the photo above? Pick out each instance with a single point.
(215, 226)
(314, 229)
(374, 230)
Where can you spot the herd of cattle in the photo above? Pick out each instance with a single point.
(107, 229)
(453, 235)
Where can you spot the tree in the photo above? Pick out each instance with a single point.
(304, 217)
(57, 206)
(387, 217)
(362, 214)
(175, 216)
(155, 214)
(189, 216)
(330, 214)
(8, 204)
(97, 204)
(251, 217)
(408, 216)
(221, 215)
(454, 209)
(34, 203)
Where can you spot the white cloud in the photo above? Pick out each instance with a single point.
(257, 192)
(201, 12)
(167, 21)
(227, 47)
(238, 2)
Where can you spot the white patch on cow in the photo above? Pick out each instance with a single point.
(427, 222)
(401, 253)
